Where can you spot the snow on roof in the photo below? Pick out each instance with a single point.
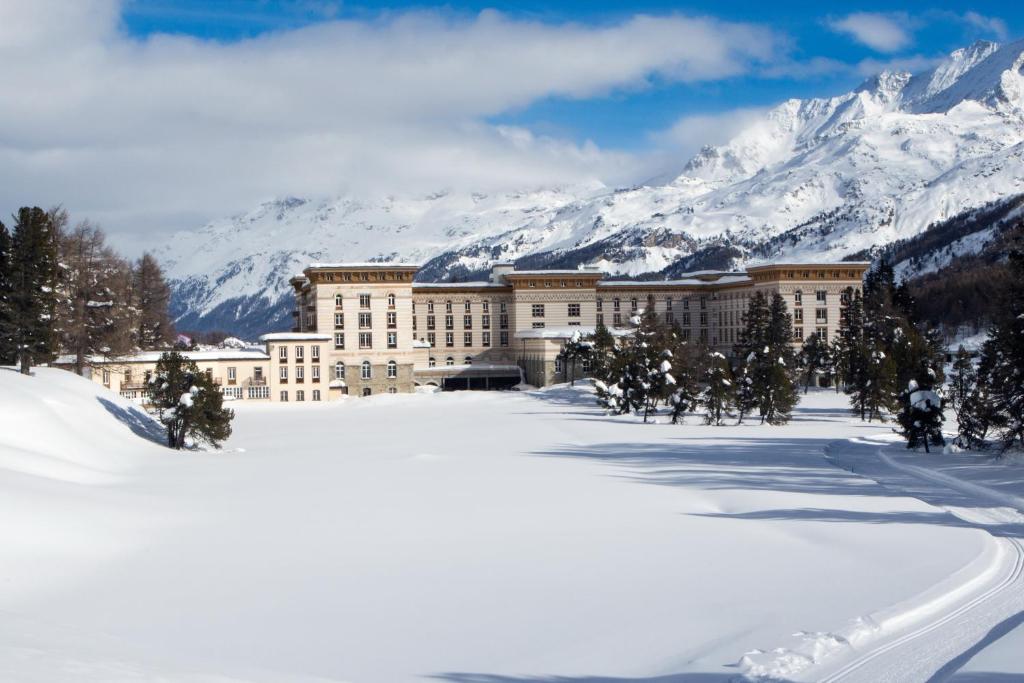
(560, 271)
(443, 285)
(154, 356)
(294, 336)
(728, 279)
(554, 332)
(366, 264)
(420, 344)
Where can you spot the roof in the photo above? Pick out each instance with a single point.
(809, 264)
(564, 271)
(294, 336)
(367, 264)
(687, 282)
(459, 285)
(154, 356)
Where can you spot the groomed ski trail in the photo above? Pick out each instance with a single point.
(929, 637)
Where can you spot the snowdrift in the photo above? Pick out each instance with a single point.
(57, 425)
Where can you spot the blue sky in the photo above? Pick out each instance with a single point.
(148, 116)
(625, 118)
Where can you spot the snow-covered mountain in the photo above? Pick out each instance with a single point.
(817, 178)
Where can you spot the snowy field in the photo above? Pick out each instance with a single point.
(492, 538)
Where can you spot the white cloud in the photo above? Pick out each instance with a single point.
(991, 25)
(690, 133)
(150, 134)
(881, 32)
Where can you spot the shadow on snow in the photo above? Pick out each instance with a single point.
(137, 420)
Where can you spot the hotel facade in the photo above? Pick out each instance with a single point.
(367, 328)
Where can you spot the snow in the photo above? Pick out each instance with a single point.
(294, 336)
(573, 545)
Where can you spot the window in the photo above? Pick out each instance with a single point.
(616, 304)
(703, 303)
(392, 369)
(486, 306)
(430, 307)
(467, 322)
(232, 374)
(392, 319)
(537, 326)
(365, 321)
(468, 307)
(798, 298)
(392, 340)
(822, 333)
(537, 310)
(574, 310)
(632, 304)
(821, 296)
(367, 391)
(284, 396)
(414, 323)
(686, 319)
(503, 338)
(485, 339)
(364, 301)
(284, 373)
(670, 317)
(365, 340)
(282, 353)
(257, 373)
(300, 373)
(314, 351)
(467, 338)
(392, 390)
(339, 340)
(449, 339)
(448, 306)
(106, 377)
(431, 362)
(300, 353)
(586, 364)
(391, 300)
(316, 394)
(468, 360)
(668, 303)
(339, 321)
(300, 395)
(430, 322)
(798, 315)
(449, 322)
(503, 307)
(558, 364)
(798, 334)
(339, 370)
(600, 304)
(431, 339)
(485, 322)
(600, 319)
(449, 361)
(821, 315)
(365, 371)
(616, 319)
(686, 303)
(503, 320)
(338, 301)
(703, 318)
(315, 370)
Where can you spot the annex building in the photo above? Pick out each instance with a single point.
(369, 328)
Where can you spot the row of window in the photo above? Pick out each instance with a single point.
(364, 301)
(467, 338)
(467, 306)
(300, 354)
(537, 310)
(366, 370)
(366, 340)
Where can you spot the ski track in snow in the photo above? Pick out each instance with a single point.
(929, 637)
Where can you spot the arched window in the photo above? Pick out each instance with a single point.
(392, 369)
(337, 301)
(431, 362)
(364, 370)
(468, 360)
(449, 361)
(430, 307)
(391, 300)
(448, 306)
(339, 370)
(798, 298)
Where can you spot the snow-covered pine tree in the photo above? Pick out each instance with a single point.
(837, 360)
(920, 417)
(7, 349)
(151, 297)
(33, 275)
(719, 391)
(978, 412)
(685, 395)
(188, 403)
(575, 350)
(777, 394)
(746, 397)
(962, 381)
(602, 354)
(815, 359)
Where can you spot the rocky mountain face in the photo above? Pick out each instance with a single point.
(812, 179)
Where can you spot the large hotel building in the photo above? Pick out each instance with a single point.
(368, 328)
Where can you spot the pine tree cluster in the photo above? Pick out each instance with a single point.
(63, 290)
(188, 403)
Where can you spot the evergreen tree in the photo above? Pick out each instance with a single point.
(962, 382)
(769, 362)
(816, 359)
(746, 396)
(33, 278)
(685, 396)
(602, 354)
(920, 417)
(188, 403)
(575, 351)
(153, 329)
(977, 413)
(719, 391)
(7, 348)
(93, 316)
